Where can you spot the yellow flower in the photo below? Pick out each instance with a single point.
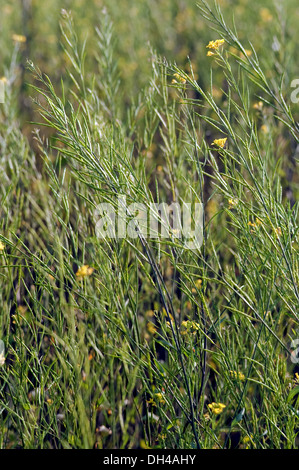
(150, 313)
(22, 309)
(151, 328)
(175, 232)
(232, 203)
(258, 106)
(253, 225)
(179, 78)
(84, 271)
(296, 379)
(191, 327)
(247, 440)
(215, 44)
(278, 232)
(210, 53)
(151, 402)
(2, 246)
(160, 398)
(237, 375)
(216, 408)
(220, 142)
(233, 50)
(248, 52)
(164, 313)
(19, 38)
(265, 14)
(217, 92)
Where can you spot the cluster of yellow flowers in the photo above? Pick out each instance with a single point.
(151, 328)
(2, 246)
(232, 203)
(198, 284)
(84, 271)
(19, 38)
(164, 313)
(178, 79)
(220, 142)
(216, 408)
(254, 225)
(258, 106)
(214, 46)
(159, 398)
(237, 375)
(190, 327)
(247, 440)
(258, 222)
(265, 15)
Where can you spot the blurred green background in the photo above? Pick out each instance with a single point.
(172, 28)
